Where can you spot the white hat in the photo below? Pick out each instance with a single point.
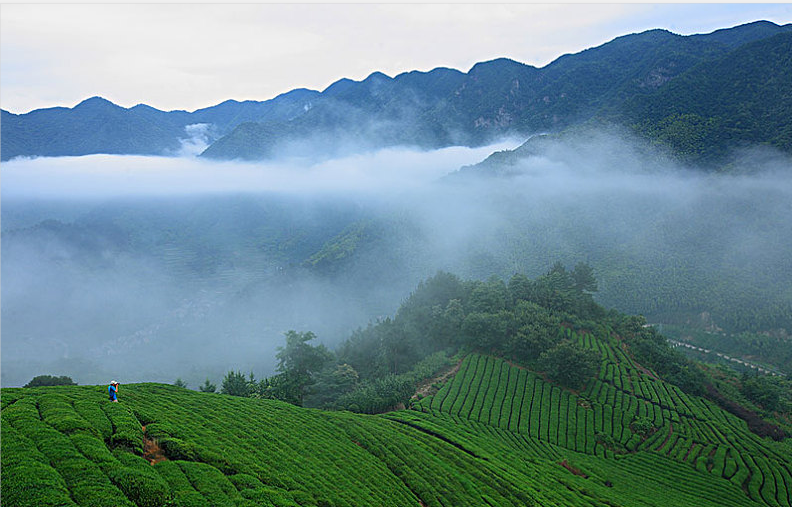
(113, 382)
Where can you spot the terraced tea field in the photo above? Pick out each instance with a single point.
(600, 421)
(494, 434)
(163, 445)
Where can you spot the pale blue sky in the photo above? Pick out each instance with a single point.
(188, 56)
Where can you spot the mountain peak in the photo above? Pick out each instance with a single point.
(498, 64)
(96, 102)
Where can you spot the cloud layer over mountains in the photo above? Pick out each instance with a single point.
(152, 268)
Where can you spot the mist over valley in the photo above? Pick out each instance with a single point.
(192, 268)
(567, 284)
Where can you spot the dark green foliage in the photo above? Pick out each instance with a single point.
(332, 383)
(764, 391)
(207, 387)
(742, 97)
(569, 364)
(642, 426)
(375, 396)
(180, 383)
(235, 384)
(50, 380)
(652, 349)
(298, 363)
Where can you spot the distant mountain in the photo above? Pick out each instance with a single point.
(739, 99)
(97, 125)
(652, 82)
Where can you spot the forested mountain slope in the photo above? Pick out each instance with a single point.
(637, 79)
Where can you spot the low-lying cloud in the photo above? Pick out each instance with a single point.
(153, 268)
(103, 176)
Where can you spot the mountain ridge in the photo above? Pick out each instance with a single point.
(431, 109)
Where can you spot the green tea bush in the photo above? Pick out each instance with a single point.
(91, 411)
(245, 481)
(127, 430)
(21, 412)
(92, 448)
(190, 499)
(211, 483)
(178, 449)
(89, 486)
(31, 483)
(139, 481)
(269, 497)
(303, 498)
(160, 430)
(58, 412)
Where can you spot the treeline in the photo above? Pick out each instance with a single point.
(523, 321)
(378, 367)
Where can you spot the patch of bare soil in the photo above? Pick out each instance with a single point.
(427, 387)
(573, 469)
(151, 449)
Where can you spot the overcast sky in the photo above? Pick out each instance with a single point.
(188, 56)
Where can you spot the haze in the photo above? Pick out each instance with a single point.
(153, 268)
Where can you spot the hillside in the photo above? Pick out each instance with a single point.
(78, 449)
(638, 80)
(473, 443)
(493, 433)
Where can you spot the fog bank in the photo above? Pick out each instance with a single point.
(152, 268)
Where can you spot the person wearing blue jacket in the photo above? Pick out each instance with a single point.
(112, 391)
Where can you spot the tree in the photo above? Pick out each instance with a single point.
(207, 387)
(330, 384)
(569, 364)
(235, 384)
(298, 362)
(180, 383)
(49, 380)
(583, 278)
(537, 332)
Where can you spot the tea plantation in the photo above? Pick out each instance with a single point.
(495, 434)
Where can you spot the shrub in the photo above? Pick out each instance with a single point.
(50, 380)
(30, 483)
(245, 481)
(139, 481)
(92, 448)
(91, 412)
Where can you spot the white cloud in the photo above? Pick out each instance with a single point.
(388, 170)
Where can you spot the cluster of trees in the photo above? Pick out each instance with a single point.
(50, 380)
(378, 367)
(521, 320)
(772, 394)
(651, 349)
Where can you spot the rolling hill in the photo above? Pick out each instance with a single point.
(494, 434)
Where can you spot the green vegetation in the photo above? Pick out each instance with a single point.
(50, 380)
(225, 450)
(510, 427)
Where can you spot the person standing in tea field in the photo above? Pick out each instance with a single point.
(112, 391)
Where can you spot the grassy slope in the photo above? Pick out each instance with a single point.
(473, 443)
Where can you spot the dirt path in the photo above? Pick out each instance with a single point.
(151, 449)
(427, 387)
